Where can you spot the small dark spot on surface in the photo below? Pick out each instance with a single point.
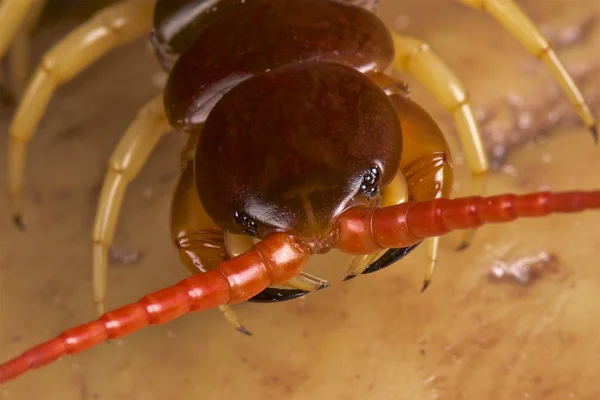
(68, 133)
(422, 351)
(344, 315)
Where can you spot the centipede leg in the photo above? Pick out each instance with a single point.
(417, 59)
(20, 51)
(12, 15)
(306, 282)
(129, 157)
(426, 164)
(112, 27)
(517, 23)
(438, 168)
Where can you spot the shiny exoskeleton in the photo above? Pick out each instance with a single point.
(316, 80)
(299, 142)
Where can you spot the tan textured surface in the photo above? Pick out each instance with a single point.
(467, 337)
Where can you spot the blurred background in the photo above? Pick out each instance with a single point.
(515, 316)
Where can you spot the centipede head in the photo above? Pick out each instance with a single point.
(342, 142)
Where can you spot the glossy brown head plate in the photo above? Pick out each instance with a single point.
(292, 148)
(250, 37)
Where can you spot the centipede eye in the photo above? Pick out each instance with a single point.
(371, 182)
(247, 224)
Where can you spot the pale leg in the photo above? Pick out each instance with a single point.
(417, 59)
(20, 51)
(12, 15)
(507, 13)
(129, 157)
(233, 320)
(110, 28)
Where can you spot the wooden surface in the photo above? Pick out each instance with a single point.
(470, 336)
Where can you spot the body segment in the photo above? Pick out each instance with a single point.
(261, 35)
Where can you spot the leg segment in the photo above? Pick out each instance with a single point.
(427, 171)
(20, 52)
(514, 20)
(417, 59)
(12, 15)
(114, 26)
(426, 164)
(131, 154)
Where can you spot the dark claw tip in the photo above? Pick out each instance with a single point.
(463, 246)
(594, 130)
(324, 286)
(243, 330)
(18, 221)
(425, 286)
(348, 277)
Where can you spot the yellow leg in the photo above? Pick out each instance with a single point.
(302, 281)
(233, 320)
(507, 13)
(307, 282)
(417, 59)
(20, 51)
(12, 15)
(110, 28)
(129, 157)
